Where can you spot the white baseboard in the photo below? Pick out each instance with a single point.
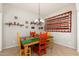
(10, 46)
(77, 50)
(64, 45)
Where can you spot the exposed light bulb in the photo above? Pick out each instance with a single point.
(36, 20)
(41, 20)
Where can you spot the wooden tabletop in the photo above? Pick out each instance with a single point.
(32, 43)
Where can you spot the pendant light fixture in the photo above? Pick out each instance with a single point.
(39, 21)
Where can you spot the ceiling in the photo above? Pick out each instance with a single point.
(45, 8)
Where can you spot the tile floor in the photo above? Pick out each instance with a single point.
(57, 50)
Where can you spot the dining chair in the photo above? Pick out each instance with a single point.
(23, 51)
(41, 47)
(32, 34)
(50, 41)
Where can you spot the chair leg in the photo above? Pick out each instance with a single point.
(29, 51)
(45, 48)
(34, 50)
(39, 52)
(20, 53)
(45, 51)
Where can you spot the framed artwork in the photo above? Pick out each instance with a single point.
(59, 23)
(40, 27)
(18, 24)
(32, 27)
(26, 26)
(26, 22)
(15, 17)
(32, 22)
(21, 25)
(14, 23)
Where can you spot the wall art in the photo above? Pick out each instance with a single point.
(32, 27)
(26, 22)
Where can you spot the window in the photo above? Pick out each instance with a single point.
(59, 23)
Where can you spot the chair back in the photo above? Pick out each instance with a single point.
(19, 40)
(43, 38)
(32, 34)
(48, 33)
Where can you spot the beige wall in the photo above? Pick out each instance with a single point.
(77, 6)
(64, 38)
(0, 27)
(10, 39)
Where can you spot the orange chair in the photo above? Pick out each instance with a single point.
(23, 50)
(41, 47)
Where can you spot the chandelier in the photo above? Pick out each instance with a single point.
(39, 21)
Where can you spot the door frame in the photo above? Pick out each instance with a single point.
(0, 31)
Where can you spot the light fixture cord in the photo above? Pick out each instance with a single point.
(39, 12)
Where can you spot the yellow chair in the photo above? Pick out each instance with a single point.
(49, 34)
(50, 40)
(23, 51)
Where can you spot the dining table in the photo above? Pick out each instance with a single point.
(30, 41)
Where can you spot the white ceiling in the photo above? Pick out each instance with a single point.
(45, 8)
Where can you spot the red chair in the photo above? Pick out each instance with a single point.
(32, 34)
(41, 47)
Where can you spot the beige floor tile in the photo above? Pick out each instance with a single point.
(57, 50)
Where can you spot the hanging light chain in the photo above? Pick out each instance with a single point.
(39, 11)
(39, 21)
